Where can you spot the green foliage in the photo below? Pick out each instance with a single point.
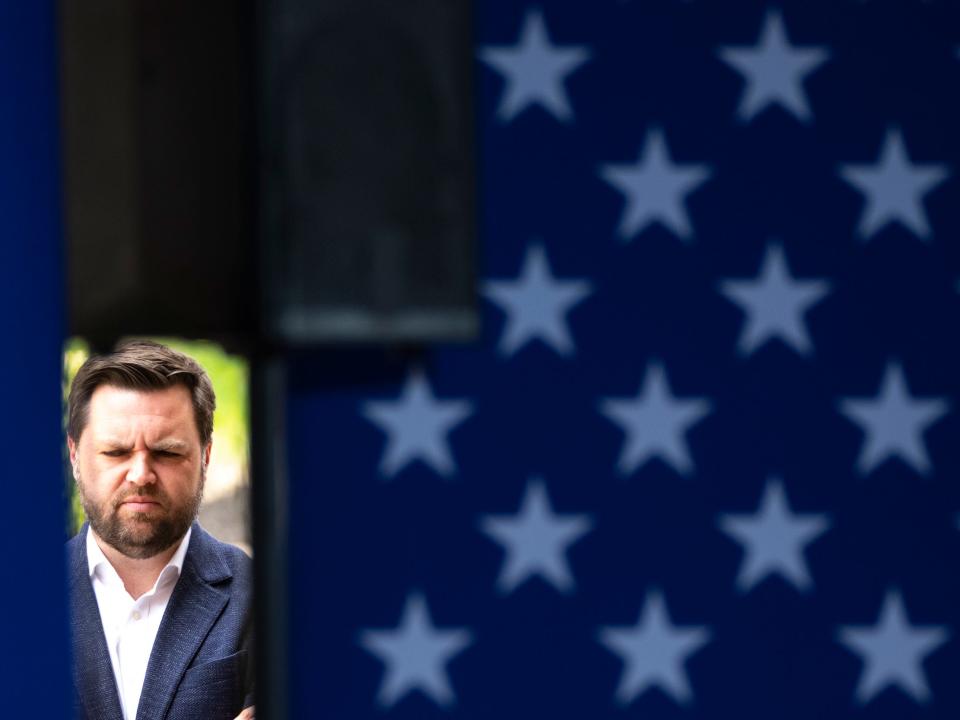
(74, 353)
(230, 377)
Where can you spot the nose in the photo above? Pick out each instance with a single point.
(140, 471)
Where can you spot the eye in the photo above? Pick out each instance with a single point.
(167, 453)
(114, 453)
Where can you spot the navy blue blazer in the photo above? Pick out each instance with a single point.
(201, 665)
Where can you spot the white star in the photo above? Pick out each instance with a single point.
(895, 188)
(775, 304)
(774, 70)
(893, 651)
(773, 540)
(417, 425)
(536, 304)
(536, 541)
(654, 652)
(655, 422)
(654, 188)
(535, 70)
(415, 654)
(894, 423)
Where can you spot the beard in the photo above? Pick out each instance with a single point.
(141, 535)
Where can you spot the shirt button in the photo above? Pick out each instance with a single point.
(136, 614)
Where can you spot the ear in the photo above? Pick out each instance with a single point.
(206, 453)
(72, 447)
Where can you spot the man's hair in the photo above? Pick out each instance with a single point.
(141, 365)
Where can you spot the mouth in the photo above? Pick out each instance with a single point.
(140, 504)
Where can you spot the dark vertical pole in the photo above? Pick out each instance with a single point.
(270, 532)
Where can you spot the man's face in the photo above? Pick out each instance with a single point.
(140, 467)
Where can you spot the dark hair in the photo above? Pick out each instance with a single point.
(141, 365)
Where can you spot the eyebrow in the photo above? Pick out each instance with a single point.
(113, 444)
(170, 444)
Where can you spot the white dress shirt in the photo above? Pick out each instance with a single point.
(129, 625)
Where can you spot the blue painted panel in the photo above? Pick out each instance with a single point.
(34, 670)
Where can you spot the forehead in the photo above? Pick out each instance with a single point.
(117, 410)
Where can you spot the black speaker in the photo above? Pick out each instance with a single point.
(367, 174)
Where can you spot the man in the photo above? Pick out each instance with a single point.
(161, 611)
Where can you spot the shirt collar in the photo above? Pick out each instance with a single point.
(96, 558)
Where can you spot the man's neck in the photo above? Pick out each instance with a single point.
(138, 576)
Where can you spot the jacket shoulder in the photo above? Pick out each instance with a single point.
(240, 564)
(218, 560)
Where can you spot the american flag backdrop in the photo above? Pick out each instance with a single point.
(704, 460)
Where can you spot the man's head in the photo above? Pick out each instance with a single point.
(139, 425)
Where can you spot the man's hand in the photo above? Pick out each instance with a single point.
(247, 714)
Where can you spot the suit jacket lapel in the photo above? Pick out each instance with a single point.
(193, 608)
(93, 676)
